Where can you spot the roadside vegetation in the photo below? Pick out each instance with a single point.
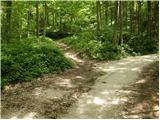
(100, 30)
(26, 59)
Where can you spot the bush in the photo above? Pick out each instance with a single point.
(143, 45)
(86, 45)
(27, 59)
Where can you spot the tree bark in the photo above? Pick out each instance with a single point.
(106, 11)
(98, 17)
(115, 35)
(60, 22)
(126, 15)
(121, 21)
(28, 23)
(131, 15)
(8, 19)
(139, 17)
(45, 20)
(149, 19)
(156, 19)
(37, 19)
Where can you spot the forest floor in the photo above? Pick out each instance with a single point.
(89, 90)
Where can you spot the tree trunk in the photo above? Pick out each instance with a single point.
(149, 20)
(53, 20)
(111, 15)
(106, 11)
(37, 19)
(115, 35)
(131, 15)
(98, 17)
(45, 20)
(46, 14)
(139, 17)
(60, 22)
(121, 21)
(156, 18)
(8, 19)
(28, 23)
(126, 16)
(100, 14)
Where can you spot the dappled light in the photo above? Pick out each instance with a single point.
(98, 101)
(79, 59)
(30, 115)
(110, 93)
(80, 77)
(73, 56)
(141, 81)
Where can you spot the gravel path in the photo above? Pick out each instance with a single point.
(107, 97)
(89, 90)
(50, 95)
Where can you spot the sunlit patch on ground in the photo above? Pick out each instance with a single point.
(30, 115)
(50, 95)
(145, 104)
(73, 57)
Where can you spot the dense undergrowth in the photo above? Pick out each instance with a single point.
(103, 48)
(23, 60)
(87, 46)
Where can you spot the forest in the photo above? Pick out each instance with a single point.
(35, 36)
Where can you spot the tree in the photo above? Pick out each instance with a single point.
(139, 17)
(46, 17)
(149, 19)
(121, 21)
(98, 17)
(115, 35)
(131, 15)
(37, 19)
(28, 22)
(8, 19)
(106, 3)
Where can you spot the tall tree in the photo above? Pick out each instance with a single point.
(98, 17)
(46, 18)
(121, 21)
(28, 22)
(149, 19)
(131, 15)
(156, 18)
(115, 35)
(37, 19)
(126, 15)
(139, 17)
(8, 19)
(106, 3)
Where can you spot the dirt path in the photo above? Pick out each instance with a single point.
(108, 96)
(51, 95)
(74, 93)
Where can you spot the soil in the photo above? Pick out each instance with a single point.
(111, 92)
(50, 95)
(144, 102)
(89, 90)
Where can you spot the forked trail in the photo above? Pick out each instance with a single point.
(89, 90)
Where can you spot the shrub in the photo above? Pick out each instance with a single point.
(87, 46)
(27, 59)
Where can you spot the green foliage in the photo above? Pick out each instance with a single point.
(27, 59)
(142, 46)
(87, 46)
